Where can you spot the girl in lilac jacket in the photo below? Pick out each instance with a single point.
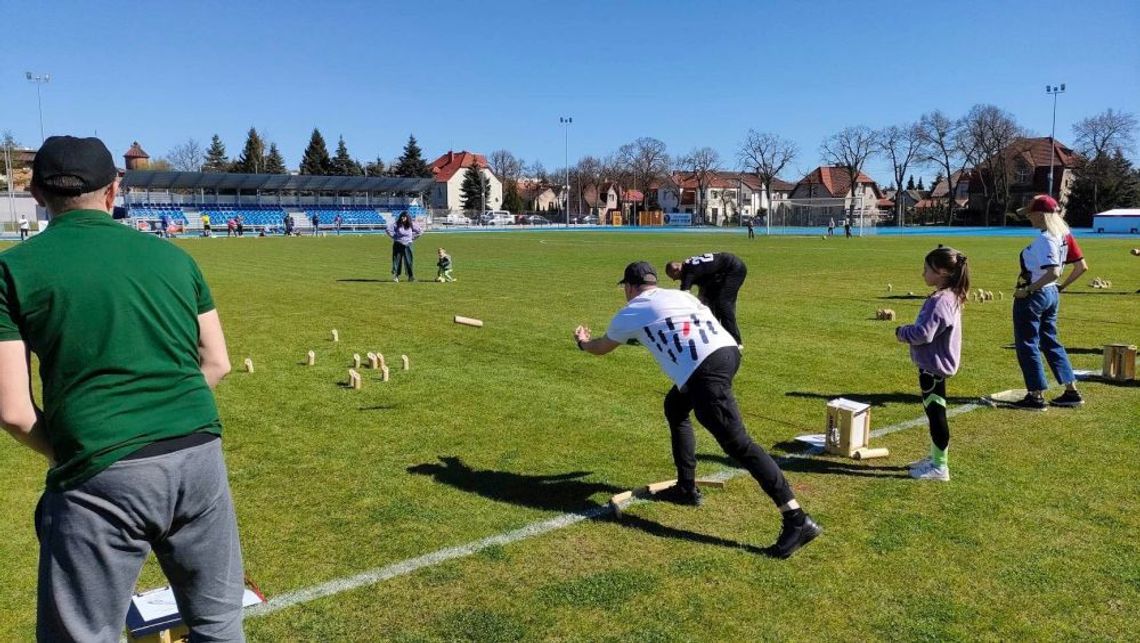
(935, 340)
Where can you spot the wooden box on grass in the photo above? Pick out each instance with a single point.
(1119, 362)
(848, 426)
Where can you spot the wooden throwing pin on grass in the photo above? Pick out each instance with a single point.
(469, 321)
(356, 360)
(335, 335)
(373, 361)
(354, 379)
(407, 364)
(248, 365)
(311, 358)
(383, 373)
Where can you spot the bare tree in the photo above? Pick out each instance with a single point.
(766, 155)
(506, 166)
(538, 172)
(997, 141)
(1097, 138)
(1103, 134)
(946, 148)
(701, 164)
(646, 161)
(187, 157)
(849, 148)
(903, 145)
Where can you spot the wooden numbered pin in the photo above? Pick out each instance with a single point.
(335, 335)
(312, 358)
(407, 365)
(356, 360)
(373, 361)
(384, 373)
(354, 379)
(248, 365)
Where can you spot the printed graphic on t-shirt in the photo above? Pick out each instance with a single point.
(680, 342)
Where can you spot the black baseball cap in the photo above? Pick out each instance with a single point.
(70, 166)
(639, 273)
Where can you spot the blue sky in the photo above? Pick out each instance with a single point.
(490, 75)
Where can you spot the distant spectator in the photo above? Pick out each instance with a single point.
(231, 227)
(751, 232)
(164, 222)
(847, 227)
(316, 223)
(831, 227)
(287, 221)
(403, 233)
(25, 227)
(338, 222)
(205, 224)
(240, 226)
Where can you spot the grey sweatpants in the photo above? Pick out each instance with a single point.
(95, 537)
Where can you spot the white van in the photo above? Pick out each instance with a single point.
(497, 217)
(456, 218)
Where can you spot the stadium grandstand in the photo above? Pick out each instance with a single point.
(264, 200)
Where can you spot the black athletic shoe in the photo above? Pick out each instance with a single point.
(792, 537)
(1070, 399)
(679, 495)
(1030, 403)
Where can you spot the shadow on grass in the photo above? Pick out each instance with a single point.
(876, 399)
(816, 465)
(1069, 350)
(564, 492)
(1098, 292)
(364, 281)
(903, 297)
(378, 407)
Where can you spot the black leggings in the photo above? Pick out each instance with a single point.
(708, 393)
(934, 402)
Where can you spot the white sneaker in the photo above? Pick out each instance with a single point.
(931, 472)
(920, 464)
(395, 279)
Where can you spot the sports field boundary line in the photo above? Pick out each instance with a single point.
(407, 566)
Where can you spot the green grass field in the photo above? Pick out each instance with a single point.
(499, 427)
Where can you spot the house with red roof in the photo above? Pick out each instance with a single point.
(448, 171)
(1027, 163)
(725, 196)
(834, 182)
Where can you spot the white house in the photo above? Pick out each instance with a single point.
(834, 182)
(448, 171)
(727, 196)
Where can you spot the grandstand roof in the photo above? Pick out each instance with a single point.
(148, 180)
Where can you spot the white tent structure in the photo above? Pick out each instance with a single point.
(1120, 220)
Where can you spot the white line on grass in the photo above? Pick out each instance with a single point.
(379, 574)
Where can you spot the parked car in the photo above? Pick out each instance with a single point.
(456, 218)
(536, 219)
(496, 217)
(589, 219)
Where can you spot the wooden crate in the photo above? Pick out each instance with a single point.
(848, 427)
(1119, 362)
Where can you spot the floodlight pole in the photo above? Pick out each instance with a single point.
(1054, 90)
(566, 121)
(39, 80)
(8, 175)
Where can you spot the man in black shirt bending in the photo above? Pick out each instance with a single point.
(720, 276)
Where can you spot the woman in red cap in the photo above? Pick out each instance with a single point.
(1036, 301)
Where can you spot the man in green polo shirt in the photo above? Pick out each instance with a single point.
(130, 347)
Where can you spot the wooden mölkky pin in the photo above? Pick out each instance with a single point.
(384, 373)
(373, 361)
(248, 365)
(356, 360)
(312, 358)
(354, 379)
(335, 335)
(469, 321)
(407, 364)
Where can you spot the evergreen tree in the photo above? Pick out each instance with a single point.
(920, 185)
(937, 180)
(274, 162)
(512, 200)
(375, 168)
(343, 164)
(316, 159)
(411, 163)
(216, 159)
(1102, 184)
(910, 183)
(469, 192)
(252, 159)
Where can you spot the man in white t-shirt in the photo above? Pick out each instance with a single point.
(25, 227)
(701, 359)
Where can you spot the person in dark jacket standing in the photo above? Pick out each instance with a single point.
(720, 276)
